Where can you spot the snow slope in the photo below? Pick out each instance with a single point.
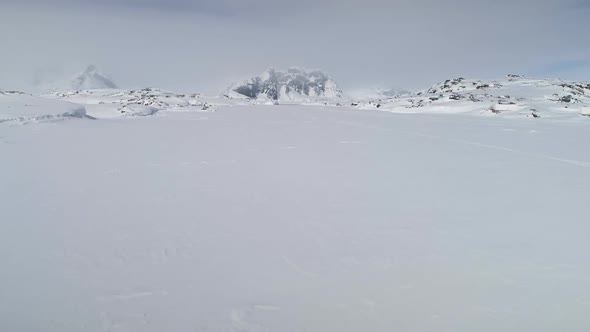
(22, 107)
(109, 103)
(291, 218)
(514, 96)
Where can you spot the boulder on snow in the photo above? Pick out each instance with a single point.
(138, 110)
(585, 111)
(501, 107)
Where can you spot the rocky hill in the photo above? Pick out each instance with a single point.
(291, 86)
(513, 95)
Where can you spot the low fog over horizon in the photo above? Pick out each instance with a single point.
(206, 45)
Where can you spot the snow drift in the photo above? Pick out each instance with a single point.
(19, 106)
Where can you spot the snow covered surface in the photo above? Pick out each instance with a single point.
(109, 103)
(368, 94)
(514, 96)
(21, 107)
(291, 218)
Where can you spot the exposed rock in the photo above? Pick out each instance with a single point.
(292, 85)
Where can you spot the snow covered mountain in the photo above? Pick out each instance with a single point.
(293, 86)
(514, 95)
(89, 79)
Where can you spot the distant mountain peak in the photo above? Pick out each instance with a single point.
(91, 78)
(88, 79)
(90, 69)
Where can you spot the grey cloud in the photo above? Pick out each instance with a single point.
(205, 45)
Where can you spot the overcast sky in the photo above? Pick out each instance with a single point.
(205, 45)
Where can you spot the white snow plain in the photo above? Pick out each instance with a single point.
(292, 218)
